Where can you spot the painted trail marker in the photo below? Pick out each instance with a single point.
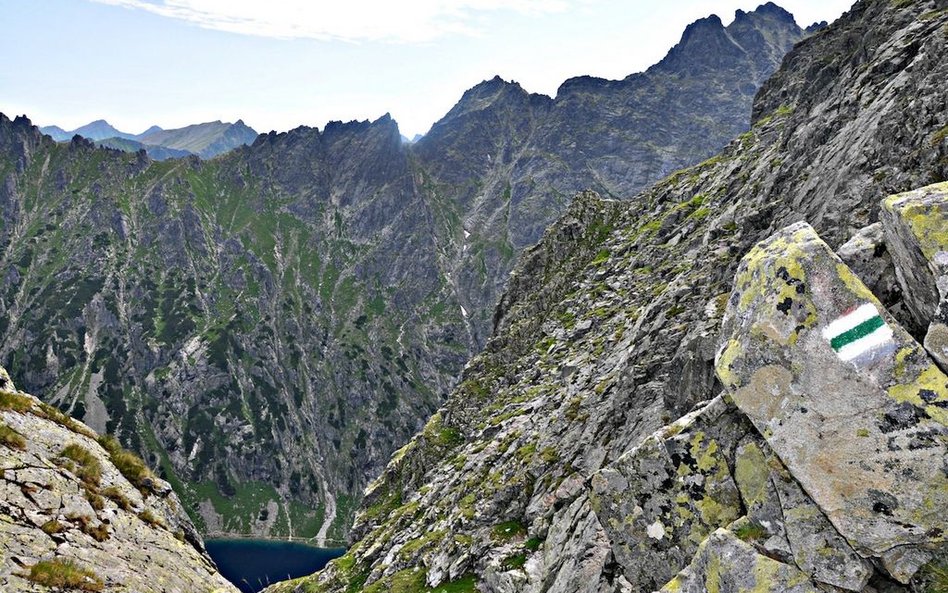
(860, 335)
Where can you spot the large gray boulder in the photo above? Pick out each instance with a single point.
(709, 470)
(916, 230)
(660, 500)
(851, 405)
(867, 254)
(786, 524)
(727, 564)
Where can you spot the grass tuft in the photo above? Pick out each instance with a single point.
(15, 402)
(87, 466)
(116, 496)
(64, 574)
(52, 527)
(11, 438)
(132, 466)
(149, 517)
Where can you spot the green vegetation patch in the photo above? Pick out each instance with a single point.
(11, 438)
(15, 402)
(130, 465)
(750, 531)
(516, 561)
(412, 580)
(64, 574)
(933, 577)
(533, 544)
(86, 466)
(508, 530)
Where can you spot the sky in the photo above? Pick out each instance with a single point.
(279, 64)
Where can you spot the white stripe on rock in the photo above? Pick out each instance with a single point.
(866, 343)
(844, 324)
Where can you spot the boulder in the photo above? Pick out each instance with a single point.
(782, 510)
(867, 255)
(660, 500)
(847, 400)
(916, 230)
(725, 563)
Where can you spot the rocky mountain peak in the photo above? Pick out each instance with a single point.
(773, 11)
(762, 34)
(484, 95)
(705, 44)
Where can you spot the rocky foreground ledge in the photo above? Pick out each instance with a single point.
(77, 512)
(823, 465)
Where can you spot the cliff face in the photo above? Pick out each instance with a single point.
(80, 513)
(270, 325)
(248, 321)
(548, 469)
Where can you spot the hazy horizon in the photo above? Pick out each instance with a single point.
(173, 63)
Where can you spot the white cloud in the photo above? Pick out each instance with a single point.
(348, 20)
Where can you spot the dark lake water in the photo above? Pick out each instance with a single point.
(252, 564)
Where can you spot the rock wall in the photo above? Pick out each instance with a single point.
(78, 512)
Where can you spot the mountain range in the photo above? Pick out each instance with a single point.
(206, 140)
(720, 377)
(268, 326)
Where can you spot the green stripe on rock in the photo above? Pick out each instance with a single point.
(860, 331)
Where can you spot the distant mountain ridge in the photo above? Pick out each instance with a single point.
(206, 140)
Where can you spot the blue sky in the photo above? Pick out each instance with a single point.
(278, 64)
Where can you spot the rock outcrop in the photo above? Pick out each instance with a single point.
(725, 563)
(78, 512)
(848, 401)
(916, 225)
(547, 469)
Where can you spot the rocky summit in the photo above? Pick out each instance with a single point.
(268, 326)
(80, 513)
(808, 451)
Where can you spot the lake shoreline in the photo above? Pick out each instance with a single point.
(252, 563)
(311, 541)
